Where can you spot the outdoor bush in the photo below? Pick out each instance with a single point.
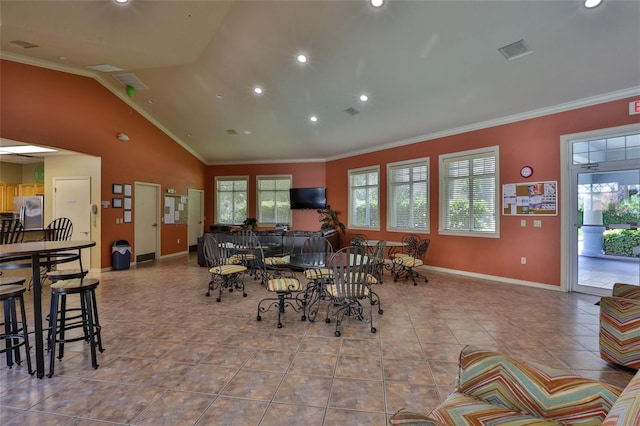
(620, 242)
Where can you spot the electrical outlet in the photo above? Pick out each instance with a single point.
(523, 260)
(537, 224)
(523, 222)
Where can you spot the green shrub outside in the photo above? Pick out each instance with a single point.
(620, 242)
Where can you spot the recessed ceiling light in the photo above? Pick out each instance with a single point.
(257, 90)
(364, 98)
(302, 58)
(377, 3)
(219, 96)
(189, 135)
(121, 1)
(313, 118)
(151, 101)
(247, 132)
(590, 4)
(62, 58)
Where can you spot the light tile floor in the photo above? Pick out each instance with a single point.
(176, 357)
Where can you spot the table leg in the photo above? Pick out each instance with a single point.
(37, 314)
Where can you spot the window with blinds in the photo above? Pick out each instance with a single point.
(231, 199)
(364, 210)
(469, 192)
(273, 199)
(408, 196)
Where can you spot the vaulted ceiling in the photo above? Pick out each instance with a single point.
(429, 68)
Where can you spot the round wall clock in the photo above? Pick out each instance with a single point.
(526, 171)
(38, 173)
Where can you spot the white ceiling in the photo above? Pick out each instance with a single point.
(430, 68)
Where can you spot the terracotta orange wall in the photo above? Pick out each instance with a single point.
(304, 175)
(77, 113)
(535, 142)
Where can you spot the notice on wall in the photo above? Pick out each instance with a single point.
(526, 199)
(175, 209)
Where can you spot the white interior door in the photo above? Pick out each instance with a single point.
(196, 216)
(147, 221)
(72, 199)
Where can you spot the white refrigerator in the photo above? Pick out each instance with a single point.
(30, 211)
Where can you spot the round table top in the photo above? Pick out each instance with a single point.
(42, 247)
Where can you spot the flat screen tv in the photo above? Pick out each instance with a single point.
(308, 198)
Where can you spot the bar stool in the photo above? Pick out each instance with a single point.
(87, 319)
(15, 332)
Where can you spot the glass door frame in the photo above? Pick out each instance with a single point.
(569, 201)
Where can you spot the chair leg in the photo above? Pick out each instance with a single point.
(25, 335)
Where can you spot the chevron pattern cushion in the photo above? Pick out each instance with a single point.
(626, 410)
(548, 393)
(494, 389)
(628, 291)
(620, 331)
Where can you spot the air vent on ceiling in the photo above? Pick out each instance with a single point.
(515, 50)
(130, 80)
(352, 111)
(231, 132)
(105, 68)
(24, 44)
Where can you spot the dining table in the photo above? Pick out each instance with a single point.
(34, 255)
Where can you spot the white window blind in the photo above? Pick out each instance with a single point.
(273, 199)
(364, 212)
(231, 199)
(470, 190)
(409, 196)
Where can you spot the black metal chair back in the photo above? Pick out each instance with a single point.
(59, 229)
(351, 268)
(11, 231)
(316, 244)
(358, 240)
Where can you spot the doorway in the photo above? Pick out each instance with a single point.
(604, 211)
(146, 214)
(72, 199)
(195, 209)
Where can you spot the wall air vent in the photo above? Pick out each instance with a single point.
(24, 44)
(130, 80)
(515, 50)
(231, 132)
(104, 68)
(352, 111)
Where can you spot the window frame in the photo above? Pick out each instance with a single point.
(260, 178)
(219, 179)
(391, 185)
(350, 217)
(443, 187)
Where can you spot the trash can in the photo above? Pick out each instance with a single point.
(121, 255)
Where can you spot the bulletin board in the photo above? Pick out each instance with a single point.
(526, 199)
(175, 209)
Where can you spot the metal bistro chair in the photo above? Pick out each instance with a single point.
(358, 240)
(351, 270)
(59, 229)
(224, 267)
(246, 245)
(406, 265)
(283, 282)
(11, 231)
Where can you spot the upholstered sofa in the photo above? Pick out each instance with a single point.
(495, 389)
(620, 326)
